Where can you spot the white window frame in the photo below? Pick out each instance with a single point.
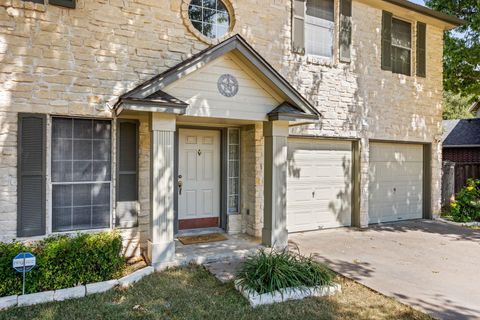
(50, 183)
(412, 44)
(321, 23)
(239, 170)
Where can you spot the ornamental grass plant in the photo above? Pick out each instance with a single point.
(276, 270)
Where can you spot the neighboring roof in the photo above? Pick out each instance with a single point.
(464, 132)
(427, 11)
(153, 87)
(474, 107)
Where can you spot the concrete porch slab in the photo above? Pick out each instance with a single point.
(224, 271)
(235, 247)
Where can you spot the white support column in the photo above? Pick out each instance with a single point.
(161, 246)
(274, 231)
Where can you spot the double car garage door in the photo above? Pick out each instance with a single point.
(319, 184)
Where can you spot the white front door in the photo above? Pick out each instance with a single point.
(199, 178)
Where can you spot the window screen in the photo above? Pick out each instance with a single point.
(319, 26)
(233, 170)
(81, 174)
(401, 46)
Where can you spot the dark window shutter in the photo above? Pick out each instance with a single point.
(421, 49)
(386, 40)
(31, 175)
(127, 182)
(64, 3)
(345, 35)
(298, 26)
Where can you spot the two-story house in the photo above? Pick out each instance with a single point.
(258, 117)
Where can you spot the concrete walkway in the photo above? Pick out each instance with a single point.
(430, 265)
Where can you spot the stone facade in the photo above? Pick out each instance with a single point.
(73, 61)
(252, 179)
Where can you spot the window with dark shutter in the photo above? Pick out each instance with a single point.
(31, 186)
(421, 49)
(127, 182)
(386, 40)
(298, 26)
(319, 28)
(313, 27)
(63, 3)
(396, 44)
(345, 34)
(401, 47)
(81, 175)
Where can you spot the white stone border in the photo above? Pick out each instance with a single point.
(257, 299)
(74, 292)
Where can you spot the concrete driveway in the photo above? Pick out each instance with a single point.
(429, 265)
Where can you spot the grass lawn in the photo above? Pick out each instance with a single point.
(192, 293)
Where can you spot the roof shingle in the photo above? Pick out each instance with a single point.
(464, 132)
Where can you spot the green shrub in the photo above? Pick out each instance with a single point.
(466, 206)
(271, 271)
(62, 262)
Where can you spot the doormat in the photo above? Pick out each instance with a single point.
(202, 238)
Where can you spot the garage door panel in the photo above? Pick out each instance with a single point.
(395, 182)
(314, 145)
(300, 194)
(318, 172)
(396, 152)
(319, 184)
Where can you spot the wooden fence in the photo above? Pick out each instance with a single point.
(455, 176)
(464, 171)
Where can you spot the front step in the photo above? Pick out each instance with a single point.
(207, 258)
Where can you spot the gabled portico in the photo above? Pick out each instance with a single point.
(195, 109)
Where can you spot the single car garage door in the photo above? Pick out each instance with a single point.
(319, 184)
(395, 182)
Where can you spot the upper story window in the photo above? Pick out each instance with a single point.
(319, 27)
(401, 46)
(397, 49)
(210, 17)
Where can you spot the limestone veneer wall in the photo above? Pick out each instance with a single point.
(252, 151)
(72, 61)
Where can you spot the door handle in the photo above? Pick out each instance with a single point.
(180, 185)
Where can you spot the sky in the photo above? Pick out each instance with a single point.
(422, 2)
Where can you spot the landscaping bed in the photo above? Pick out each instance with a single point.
(63, 262)
(193, 293)
(277, 276)
(466, 206)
